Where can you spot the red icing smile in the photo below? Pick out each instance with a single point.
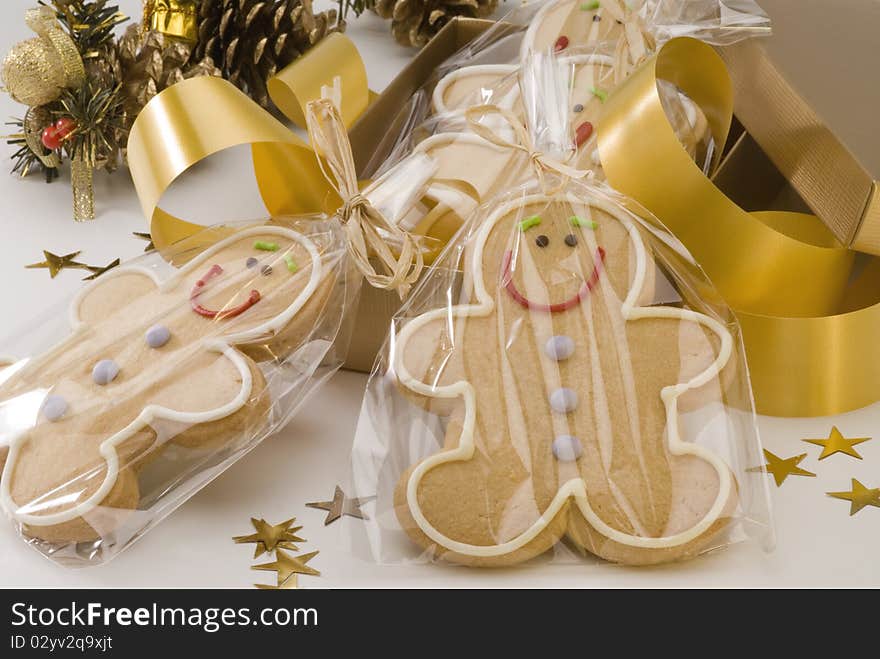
(215, 270)
(572, 302)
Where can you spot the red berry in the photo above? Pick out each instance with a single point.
(54, 135)
(582, 133)
(64, 127)
(561, 43)
(49, 138)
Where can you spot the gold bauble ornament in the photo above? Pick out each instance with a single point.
(37, 70)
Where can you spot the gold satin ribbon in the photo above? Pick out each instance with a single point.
(541, 162)
(199, 117)
(368, 231)
(811, 334)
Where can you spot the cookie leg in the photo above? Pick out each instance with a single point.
(478, 511)
(100, 522)
(695, 491)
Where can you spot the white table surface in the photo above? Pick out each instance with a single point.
(819, 544)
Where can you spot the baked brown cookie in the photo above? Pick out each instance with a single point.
(150, 363)
(564, 393)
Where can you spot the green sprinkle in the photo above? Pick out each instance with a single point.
(590, 6)
(599, 93)
(530, 222)
(581, 222)
(291, 264)
(266, 247)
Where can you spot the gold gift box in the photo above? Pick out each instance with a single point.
(809, 96)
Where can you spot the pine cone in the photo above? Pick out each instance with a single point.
(145, 64)
(415, 22)
(251, 40)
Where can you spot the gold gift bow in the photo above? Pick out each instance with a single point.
(362, 222)
(811, 339)
(42, 21)
(541, 162)
(197, 118)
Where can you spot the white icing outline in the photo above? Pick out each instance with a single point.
(151, 412)
(574, 488)
(438, 97)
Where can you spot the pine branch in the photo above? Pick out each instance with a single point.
(358, 7)
(24, 161)
(90, 23)
(99, 114)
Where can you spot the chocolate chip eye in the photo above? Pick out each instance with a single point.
(542, 241)
(251, 262)
(571, 240)
(266, 270)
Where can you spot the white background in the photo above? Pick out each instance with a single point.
(818, 543)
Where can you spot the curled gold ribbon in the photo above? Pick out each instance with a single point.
(202, 116)
(42, 21)
(367, 229)
(810, 333)
(199, 117)
(541, 162)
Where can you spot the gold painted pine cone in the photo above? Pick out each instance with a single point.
(252, 40)
(415, 22)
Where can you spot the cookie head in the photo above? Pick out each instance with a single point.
(552, 268)
(249, 281)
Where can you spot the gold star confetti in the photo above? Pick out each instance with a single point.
(859, 497)
(287, 566)
(340, 505)
(97, 271)
(782, 468)
(837, 443)
(145, 236)
(56, 264)
(268, 538)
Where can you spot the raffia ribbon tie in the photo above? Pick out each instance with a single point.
(367, 230)
(541, 162)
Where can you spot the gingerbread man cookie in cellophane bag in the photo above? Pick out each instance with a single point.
(164, 375)
(571, 376)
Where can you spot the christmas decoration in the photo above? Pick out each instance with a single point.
(859, 497)
(340, 505)
(288, 567)
(251, 40)
(415, 22)
(782, 468)
(56, 264)
(269, 538)
(837, 443)
(175, 18)
(84, 88)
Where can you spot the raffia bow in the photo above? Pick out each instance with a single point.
(541, 162)
(367, 229)
(637, 43)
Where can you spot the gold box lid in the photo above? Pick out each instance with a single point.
(810, 96)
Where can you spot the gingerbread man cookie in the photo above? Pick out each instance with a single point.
(564, 24)
(563, 393)
(150, 363)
